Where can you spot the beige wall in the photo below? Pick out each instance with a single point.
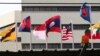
(41, 17)
(11, 46)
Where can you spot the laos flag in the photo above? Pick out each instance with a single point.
(25, 25)
(85, 12)
(53, 24)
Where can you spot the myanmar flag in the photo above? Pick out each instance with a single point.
(8, 34)
(93, 31)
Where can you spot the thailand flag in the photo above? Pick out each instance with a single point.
(40, 32)
(25, 25)
(53, 24)
(85, 12)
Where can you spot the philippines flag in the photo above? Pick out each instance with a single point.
(40, 32)
(53, 24)
(25, 25)
(85, 12)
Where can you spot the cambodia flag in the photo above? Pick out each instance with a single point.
(25, 25)
(53, 24)
(85, 12)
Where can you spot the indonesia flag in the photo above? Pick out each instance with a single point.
(40, 32)
(53, 24)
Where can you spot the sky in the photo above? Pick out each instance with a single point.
(5, 9)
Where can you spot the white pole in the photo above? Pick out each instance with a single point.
(16, 34)
(91, 28)
(72, 34)
(30, 35)
(46, 39)
(61, 35)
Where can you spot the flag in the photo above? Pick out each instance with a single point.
(40, 32)
(25, 25)
(85, 12)
(53, 24)
(96, 34)
(93, 31)
(66, 32)
(8, 34)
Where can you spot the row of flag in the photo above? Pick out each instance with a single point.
(41, 31)
(53, 24)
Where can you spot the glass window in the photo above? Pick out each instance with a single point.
(25, 46)
(56, 8)
(78, 45)
(53, 46)
(18, 39)
(38, 46)
(96, 45)
(67, 45)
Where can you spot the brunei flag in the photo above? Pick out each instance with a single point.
(8, 34)
(93, 31)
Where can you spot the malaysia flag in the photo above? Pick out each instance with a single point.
(53, 24)
(66, 32)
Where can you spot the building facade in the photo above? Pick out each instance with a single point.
(69, 11)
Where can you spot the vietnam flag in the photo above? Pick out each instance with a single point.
(53, 24)
(25, 25)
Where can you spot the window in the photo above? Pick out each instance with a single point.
(18, 39)
(67, 45)
(25, 46)
(96, 45)
(53, 46)
(38, 46)
(56, 8)
(78, 45)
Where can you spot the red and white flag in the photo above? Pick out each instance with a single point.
(66, 32)
(40, 32)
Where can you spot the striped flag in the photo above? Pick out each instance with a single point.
(95, 31)
(8, 34)
(66, 32)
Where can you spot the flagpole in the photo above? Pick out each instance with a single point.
(72, 34)
(46, 43)
(30, 36)
(16, 34)
(91, 28)
(61, 35)
(46, 39)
